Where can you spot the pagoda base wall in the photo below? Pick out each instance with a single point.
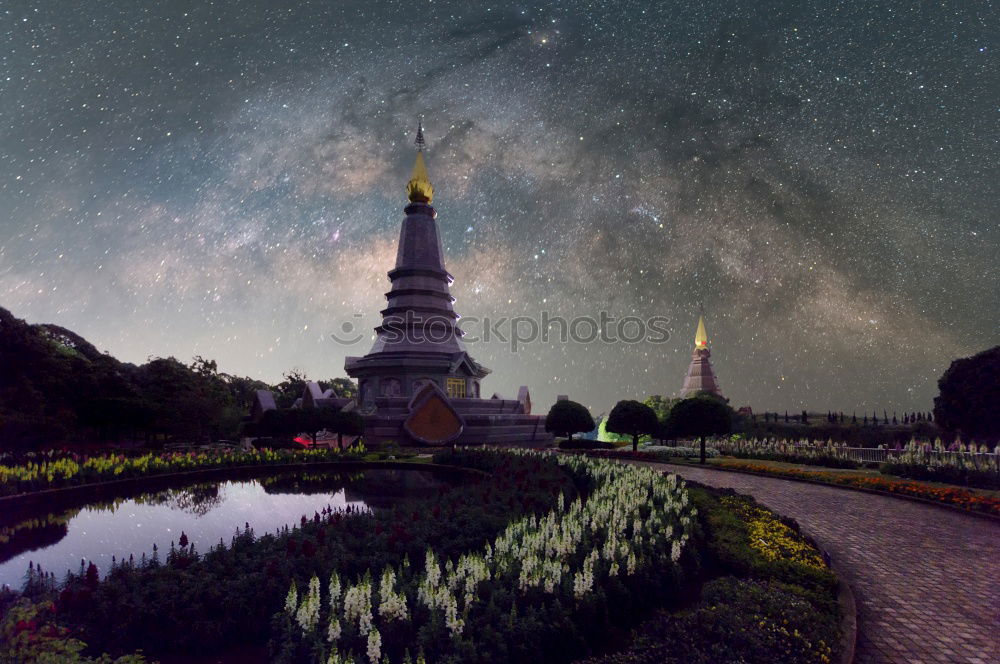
(487, 422)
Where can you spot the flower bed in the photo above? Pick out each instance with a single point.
(956, 497)
(947, 474)
(547, 558)
(73, 471)
(774, 599)
(184, 602)
(679, 451)
(656, 454)
(773, 538)
(546, 589)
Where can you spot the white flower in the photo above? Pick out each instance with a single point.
(291, 599)
(392, 605)
(451, 619)
(333, 631)
(374, 646)
(629, 520)
(334, 587)
(358, 605)
(308, 613)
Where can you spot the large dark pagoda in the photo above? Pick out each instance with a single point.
(418, 384)
(419, 340)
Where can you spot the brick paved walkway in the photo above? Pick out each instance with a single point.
(926, 579)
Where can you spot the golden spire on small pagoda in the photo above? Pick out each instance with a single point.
(701, 336)
(419, 189)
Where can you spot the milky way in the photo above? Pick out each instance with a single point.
(226, 179)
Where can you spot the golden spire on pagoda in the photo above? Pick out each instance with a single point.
(419, 189)
(701, 336)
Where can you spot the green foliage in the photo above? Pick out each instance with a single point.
(606, 436)
(753, 622)
(969, 396)
(567, 417)
(56, 387)
(290, 389)
(661, 406)
(633, 418)
(344, 387)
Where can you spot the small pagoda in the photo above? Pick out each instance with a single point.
(700, 377)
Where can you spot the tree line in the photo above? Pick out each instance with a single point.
(56, 389)
(700, 416)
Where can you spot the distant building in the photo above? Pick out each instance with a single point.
(700, 377)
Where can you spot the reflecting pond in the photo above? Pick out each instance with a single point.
(204, 512)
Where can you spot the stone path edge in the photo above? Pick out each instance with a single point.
(34, 498)
(901, 496)
(849, 619)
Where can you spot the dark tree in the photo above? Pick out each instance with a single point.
(290, 389)
(278, 423)
(854, 417)
(786, 416)
(346, 423)
(969, 397)
(568, 417)
(313, 420)
(633, 418)
(701, 417)
(805, 417)
(189, 403)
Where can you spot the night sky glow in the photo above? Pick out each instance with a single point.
(227, 179)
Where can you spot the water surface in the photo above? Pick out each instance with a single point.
(204, 512)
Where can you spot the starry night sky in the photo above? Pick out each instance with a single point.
(227, 179)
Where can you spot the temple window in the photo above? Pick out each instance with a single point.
(455, 387)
